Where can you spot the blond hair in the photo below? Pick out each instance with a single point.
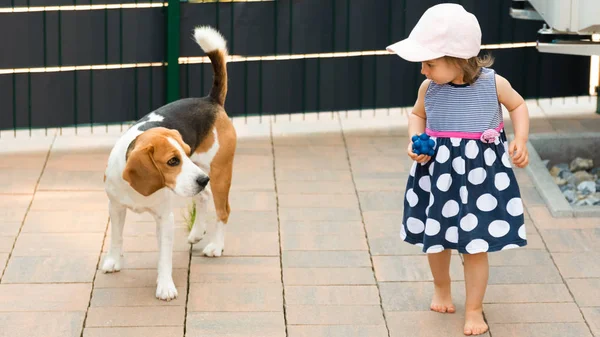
(471, 68)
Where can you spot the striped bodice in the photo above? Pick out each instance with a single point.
(464, 108)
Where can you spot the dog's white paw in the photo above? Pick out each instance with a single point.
(196, 236)
(111, 264)
(165, 289)
(213, 249)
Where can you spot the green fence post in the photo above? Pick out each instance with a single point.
(173, 15)
(598, 100)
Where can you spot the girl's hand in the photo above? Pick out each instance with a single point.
(518, 151)
(519, 114)
(418, 158)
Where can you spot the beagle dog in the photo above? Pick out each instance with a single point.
(173, 151)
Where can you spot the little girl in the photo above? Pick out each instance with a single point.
(466, 196)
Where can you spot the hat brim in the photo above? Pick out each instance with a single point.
(412, 51)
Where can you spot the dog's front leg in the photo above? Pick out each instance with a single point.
(165, 227)
(113, 260)
(199, 227)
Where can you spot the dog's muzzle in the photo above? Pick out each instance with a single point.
(202, 181)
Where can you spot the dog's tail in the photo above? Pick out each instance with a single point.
(215, 47)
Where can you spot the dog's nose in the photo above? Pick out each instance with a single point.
(203, 181)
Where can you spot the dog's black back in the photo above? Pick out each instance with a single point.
(192, 117)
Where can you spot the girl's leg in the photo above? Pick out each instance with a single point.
(440, 268)
(476, 278)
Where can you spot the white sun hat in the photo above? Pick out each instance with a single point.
(443, 30)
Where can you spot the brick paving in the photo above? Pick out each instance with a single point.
(312, 248)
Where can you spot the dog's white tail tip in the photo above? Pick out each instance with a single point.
(209, 39)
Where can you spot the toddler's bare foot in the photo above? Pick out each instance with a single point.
(474, 323)
(442, 299)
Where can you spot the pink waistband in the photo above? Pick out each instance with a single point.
(455, 134)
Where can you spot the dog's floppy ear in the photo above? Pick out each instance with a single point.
(141, 171)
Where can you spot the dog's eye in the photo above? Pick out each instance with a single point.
(173, 161)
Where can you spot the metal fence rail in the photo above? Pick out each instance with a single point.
(85, 63)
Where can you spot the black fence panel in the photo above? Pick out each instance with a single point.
(40, 97)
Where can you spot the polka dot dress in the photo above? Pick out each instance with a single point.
(465, 198)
